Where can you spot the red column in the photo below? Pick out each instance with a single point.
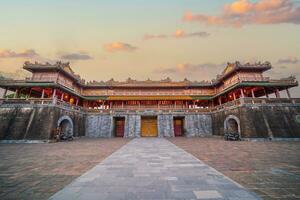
(252, 92)
(54, 93)
(242, 93)
(54, 96)
(43, 93)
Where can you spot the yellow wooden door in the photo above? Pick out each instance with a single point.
(149, 127)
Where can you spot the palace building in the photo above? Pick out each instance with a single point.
(240, 99)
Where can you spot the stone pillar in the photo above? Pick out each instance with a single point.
(77, 101)
(165, 125)
(132, 126)
(219, 99)
(234, 97)
(62, 96)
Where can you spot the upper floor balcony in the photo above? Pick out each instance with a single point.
(165, 108)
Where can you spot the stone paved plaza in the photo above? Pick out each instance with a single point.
(38, 171)
(270, 169)
(152, 168)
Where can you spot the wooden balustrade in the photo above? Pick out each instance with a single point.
(182, 108)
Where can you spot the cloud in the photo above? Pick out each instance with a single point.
(182, 34)
(119, 46)
(245, 12)
(29, 53)
(153, 36)
(178, 34)
(76, 56)
(289, 60)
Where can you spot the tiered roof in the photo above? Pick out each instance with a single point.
(230, 69)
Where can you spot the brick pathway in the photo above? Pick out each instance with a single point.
(270, 169)
(37, 171)
(152, 168)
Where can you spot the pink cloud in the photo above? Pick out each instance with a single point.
(177, 34)
(29, 53)
(244, 12)
(119, 46)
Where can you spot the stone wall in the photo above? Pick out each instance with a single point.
(102, 125)
(99, 125)
(165, 125)
(132, 126)
(198, 125)
(36, 122)
(262, 121)
(39, 122)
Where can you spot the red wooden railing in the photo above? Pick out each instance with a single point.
(181, 108)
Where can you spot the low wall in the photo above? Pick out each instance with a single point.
(36, 122)
(261, 121)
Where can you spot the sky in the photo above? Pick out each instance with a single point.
(156, 39)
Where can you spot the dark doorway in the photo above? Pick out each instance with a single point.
(65, 126)
(119, 126)
(232, 126)
(178, 126)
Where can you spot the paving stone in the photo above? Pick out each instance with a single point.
(208, 194)
(152, 168)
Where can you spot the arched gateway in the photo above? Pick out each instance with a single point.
(66, 126)
(232, 124)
